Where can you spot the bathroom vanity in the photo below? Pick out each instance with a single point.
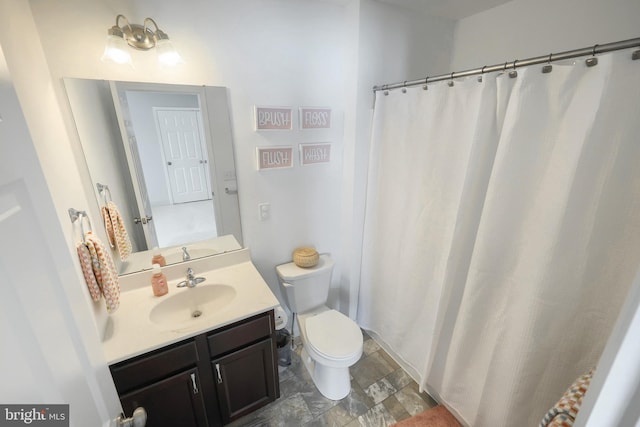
(206, 370)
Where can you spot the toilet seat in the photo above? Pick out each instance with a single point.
(333, 335)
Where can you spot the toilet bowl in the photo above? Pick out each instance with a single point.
(331, 342)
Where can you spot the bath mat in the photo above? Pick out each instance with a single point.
(438, 416)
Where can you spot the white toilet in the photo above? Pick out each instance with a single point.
(331, 341)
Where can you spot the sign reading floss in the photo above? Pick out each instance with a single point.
(315, 118)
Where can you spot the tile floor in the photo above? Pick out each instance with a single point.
(381, 394)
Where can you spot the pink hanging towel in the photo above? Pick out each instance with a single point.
(116, 231)
(87, 269)
(105, 271)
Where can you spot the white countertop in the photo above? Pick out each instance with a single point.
(130, 332)
(140, 261)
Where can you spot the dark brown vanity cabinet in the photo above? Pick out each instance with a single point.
(246, 376)
(167, 383)
(208, 380)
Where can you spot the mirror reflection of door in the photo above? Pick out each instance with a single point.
(185, 154)
(167, 142)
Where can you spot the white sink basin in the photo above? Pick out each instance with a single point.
(191, 305)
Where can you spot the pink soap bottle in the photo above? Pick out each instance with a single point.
(159, 281)
(158, 258)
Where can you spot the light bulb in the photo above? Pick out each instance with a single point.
(116, 50)
(167, 55)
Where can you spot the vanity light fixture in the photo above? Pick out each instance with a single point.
(140, 37)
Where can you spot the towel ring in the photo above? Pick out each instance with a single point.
(76, 215)
(104, 190)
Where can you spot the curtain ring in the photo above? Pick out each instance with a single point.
(547, 68)
(593, 60)
(481, 73)
(513, 73)
(505, 67)
(404, 87)
(424, 86)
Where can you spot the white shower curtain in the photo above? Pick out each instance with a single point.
(430, 150)
(497, 274)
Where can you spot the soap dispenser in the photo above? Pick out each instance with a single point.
(158, 258)
(159, 281)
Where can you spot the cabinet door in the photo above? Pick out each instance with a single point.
(246, 379)
(174, 401)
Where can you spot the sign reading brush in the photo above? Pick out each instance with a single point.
(273, 118)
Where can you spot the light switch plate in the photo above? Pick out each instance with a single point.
(264, 211)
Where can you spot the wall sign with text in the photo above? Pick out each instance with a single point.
(273, 118)
(315, 118)
(315, 153)
(274, 157)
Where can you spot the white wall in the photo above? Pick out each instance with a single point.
(523, 29)
(273, 52)
(29, 69)
(267, 52)
(51, 350)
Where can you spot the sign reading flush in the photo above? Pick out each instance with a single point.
(273, 118)
(275, 157)
(315, 153)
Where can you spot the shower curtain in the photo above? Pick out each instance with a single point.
(502, 232)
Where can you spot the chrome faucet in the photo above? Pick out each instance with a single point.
(191, 280)
(185, 254)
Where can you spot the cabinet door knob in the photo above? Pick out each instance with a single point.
(218, 372)
(194, 384)
(138, 419)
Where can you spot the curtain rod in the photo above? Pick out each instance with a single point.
(599, 48)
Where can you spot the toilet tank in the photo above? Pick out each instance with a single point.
(305, 288)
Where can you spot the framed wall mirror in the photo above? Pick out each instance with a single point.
(164, 155)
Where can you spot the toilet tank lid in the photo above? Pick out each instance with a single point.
(290, 271)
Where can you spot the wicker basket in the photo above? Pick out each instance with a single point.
(305, 257)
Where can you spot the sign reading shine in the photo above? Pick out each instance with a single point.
(273, 118)
(274, 158)
(315, 153)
